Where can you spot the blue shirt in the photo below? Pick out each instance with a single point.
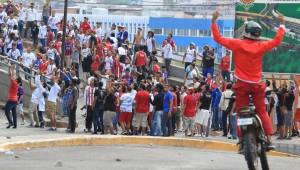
(216, 97)
(167, 99)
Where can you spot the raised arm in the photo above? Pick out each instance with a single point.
(229, 43)
(269, 45)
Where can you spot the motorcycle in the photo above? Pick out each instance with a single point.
(254, 141)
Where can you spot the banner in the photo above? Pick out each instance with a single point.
(286, 57)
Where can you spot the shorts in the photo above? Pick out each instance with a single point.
(108, 118)
(177, 116)
(125, 117)
(280, 117)
(20, 108)
(288, 118)
(188, 122)
(202, 117)
(140, 120)
(50, 109)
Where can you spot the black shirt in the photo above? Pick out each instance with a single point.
(100, 96)
(290, 101)
(205, 100)
(207, 60)
(109, 103)
(159, 101)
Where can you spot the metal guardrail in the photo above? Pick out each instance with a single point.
(6, 62)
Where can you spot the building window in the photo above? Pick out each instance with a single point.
(183, 32)
(206, 33)
(170, 30)
(194, 33)
(228, 33)
(157, 31)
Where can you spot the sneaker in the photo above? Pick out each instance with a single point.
(270, 146)
(289, 138)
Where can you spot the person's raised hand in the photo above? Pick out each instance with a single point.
(215, 16)
(281, 19)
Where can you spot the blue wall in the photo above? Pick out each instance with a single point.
(187, 23)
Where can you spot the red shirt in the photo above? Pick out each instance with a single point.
(12, 91)
(43, 66)
(190, 103)
(95, 65)
(248, 54)
(140, 58)
(225, 63)
(85, 26)
(57, 46)
(50, 36)
(142, 101)
(172, 43)
(156, 68)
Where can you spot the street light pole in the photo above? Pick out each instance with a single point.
(64, 35)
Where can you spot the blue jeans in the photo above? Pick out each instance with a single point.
(233, 128)
(21, 27)
(54, 31)
(11, 106)
(156, 123)
(64, 104)
(43, 42)
(216, 122)
(166, 124)
(98, 118)
(226, 75)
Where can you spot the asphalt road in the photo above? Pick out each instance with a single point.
(131, 157)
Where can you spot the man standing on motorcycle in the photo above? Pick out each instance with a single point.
(248, 56)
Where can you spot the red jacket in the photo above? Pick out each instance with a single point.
(225, 63)
(248, 54)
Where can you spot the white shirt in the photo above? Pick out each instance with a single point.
(122, 51)
(100, 33)
(31, 14)
(14, 54)
(189, 55)
(11, 23)
(53, 93)
(115, 44)
(36, 93)
(51, 52)
(168, 51)
(28, 59)
(42, 32)
(52, 22)
(86, 39)
(126, 102)
(149, 43)
(85, 52)
(50, 69)
(22, 14)
(108, 63)
(3, 15)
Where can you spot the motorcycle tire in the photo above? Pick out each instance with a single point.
(263, 159)
(250, 150)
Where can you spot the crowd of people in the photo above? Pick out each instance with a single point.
(125, 89)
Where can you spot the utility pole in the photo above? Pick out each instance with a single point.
(62, 57)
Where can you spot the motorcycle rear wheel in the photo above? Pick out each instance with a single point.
(250, 150)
